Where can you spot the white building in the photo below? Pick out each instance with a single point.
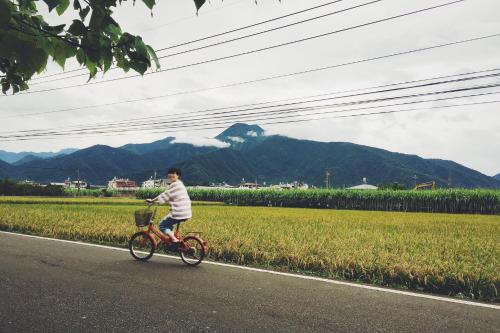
(363, 186)
(122, 184)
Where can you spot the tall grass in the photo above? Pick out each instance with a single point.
(439, 201)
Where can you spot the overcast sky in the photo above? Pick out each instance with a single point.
(468, 135)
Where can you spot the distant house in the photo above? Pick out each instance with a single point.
(154, 183)
(121, 184)
(248, 185)
(363, 186)
(291, 186)
(68, 183)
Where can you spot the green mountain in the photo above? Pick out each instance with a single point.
(252, 155)
(10, 157)
(96, 164)
(281, 159)
(143, 148)
(6, 170)
(27, 158)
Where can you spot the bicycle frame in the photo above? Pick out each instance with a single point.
(152, 230)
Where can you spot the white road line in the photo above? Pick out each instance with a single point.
(305, 277)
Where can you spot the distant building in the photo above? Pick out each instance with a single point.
(30, 182)
(248, 185)
(291, 186)
(68, 183)
(363, 186)
(121, 184)
(154, 183)
(221, 185)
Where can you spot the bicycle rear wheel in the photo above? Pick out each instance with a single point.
(193, 251)
(141, 246)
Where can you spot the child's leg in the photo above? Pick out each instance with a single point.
(166, 227)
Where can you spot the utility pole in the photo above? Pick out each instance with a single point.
(414, 181)
(449, 179)
(327, 177)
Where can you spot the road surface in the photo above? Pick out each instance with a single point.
(53, 286)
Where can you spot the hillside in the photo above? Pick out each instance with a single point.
(27, 159)
(497, 176)
(96, 164)
(11, 157)
(6, 170)
(143, 148)
(252, 155)
(279, 158)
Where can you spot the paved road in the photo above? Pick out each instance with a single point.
(51, 286)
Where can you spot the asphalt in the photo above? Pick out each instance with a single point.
(51, 286)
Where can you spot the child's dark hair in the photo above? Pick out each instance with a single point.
(176, 171)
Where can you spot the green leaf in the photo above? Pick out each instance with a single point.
(60, 55)
(149, 3)
(5, 14)
(107, 58)
(51, 4)
(80, 56)
(56, 29)
(141, 47)
(64, 4)
(199, 3)
(84, 12)
(153, 56)
(77, 28)
(91, 66)
(5, 86)
(139, 67)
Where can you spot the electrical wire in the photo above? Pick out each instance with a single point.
(251, 51)
(232, 117)
(209, 113)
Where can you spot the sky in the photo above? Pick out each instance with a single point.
(469, 135)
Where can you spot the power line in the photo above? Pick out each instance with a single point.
(221, 33)
(249, 26)
(189, 123)
(231, 40)
(269, 30)
(307, 120)
(257, 106)
(252, 51)
(286, 75)
(240, 38)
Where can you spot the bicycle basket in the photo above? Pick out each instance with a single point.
(143, 217)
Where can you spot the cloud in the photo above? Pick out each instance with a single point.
(252, 133)
(236, 139)
(201, 141)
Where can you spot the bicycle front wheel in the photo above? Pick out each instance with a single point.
(192, 252)
(141, 246)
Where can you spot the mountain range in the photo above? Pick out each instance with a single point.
(10, 157)
(247, 153)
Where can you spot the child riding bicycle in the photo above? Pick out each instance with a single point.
(180, 204)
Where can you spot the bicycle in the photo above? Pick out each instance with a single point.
(143, 244)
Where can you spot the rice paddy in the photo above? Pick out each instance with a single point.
(441, 253)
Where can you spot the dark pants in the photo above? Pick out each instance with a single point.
(168, 223)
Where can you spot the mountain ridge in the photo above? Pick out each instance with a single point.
(11, 157)
(254, 156)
